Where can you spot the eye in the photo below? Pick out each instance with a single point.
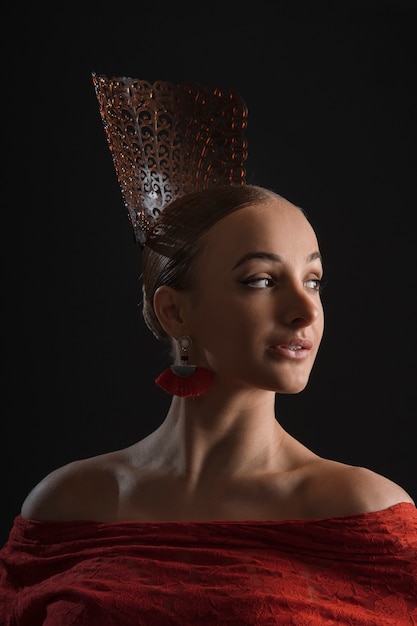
(315, 284)
(261, 282)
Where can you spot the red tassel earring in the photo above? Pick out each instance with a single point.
(184, 380)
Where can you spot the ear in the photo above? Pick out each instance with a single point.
(168, 308)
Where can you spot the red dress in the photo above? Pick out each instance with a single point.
(357, 570)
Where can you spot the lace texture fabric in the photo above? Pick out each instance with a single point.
(352, 570)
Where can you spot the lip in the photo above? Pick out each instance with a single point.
(283, 348)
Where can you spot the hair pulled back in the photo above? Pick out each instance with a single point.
(175, 241)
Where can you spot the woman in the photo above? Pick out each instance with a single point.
(251, 306)
(219, 516)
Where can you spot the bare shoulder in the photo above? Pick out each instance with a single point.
(350, 489)
(82, 489)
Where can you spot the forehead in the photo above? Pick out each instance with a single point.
(278, 227)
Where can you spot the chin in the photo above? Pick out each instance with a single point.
(290, 392)
(291, 387)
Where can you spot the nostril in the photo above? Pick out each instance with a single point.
(299, 321)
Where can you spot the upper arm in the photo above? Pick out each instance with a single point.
(79, 490)
(367, 491)
(340, 489)
(376, 491)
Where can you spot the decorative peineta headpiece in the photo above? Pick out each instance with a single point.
(167, 140)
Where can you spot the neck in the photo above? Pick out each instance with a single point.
(205, 438)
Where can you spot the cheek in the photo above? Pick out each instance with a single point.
(321, 321)
(221, 326)
(227, 336)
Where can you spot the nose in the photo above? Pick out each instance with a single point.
(300, 307)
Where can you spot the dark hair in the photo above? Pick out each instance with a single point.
(174, 243)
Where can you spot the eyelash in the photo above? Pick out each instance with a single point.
(250, 282)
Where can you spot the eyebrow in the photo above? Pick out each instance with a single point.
(275, 258)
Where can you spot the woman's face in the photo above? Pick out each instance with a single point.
(255, 313)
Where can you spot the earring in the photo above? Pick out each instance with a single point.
(185, 380)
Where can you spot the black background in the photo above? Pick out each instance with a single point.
(331, 95)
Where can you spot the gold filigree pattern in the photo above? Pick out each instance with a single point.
(167, 140)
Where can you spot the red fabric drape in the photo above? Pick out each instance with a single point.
(354, 570)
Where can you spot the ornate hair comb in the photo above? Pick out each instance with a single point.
(167, 140)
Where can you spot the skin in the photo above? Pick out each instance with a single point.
(224, 455)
